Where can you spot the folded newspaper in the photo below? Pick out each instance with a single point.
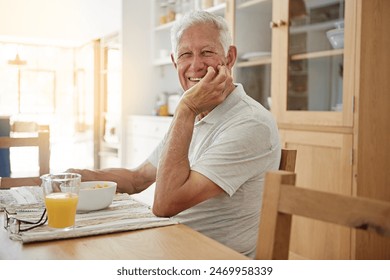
(124, 214)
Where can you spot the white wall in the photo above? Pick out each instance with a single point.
(137, 81)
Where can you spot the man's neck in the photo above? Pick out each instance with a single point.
(205, 113)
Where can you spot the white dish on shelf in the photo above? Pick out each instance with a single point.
(336, 37)
(254, 55)
(339, 24)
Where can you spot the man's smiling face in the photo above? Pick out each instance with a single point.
(199, 48)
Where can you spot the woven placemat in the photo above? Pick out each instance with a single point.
(124, 214)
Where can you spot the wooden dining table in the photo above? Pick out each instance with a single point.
(172, 242)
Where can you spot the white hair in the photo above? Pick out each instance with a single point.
(197, 17)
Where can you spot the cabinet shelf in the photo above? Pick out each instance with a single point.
(297, 94)
(250, 3)
(303, 56)
(218, 9)
(314, 27)
(109, 145)
(261, 61)
(165, 26)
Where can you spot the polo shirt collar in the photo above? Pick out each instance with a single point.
(218, 112)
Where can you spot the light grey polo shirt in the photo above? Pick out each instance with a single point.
(234, 145)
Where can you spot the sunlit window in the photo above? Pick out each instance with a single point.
(51, 86)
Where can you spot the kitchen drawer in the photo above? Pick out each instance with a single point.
(143, 134)
(148, 126)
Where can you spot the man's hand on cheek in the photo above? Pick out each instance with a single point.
(209, 92)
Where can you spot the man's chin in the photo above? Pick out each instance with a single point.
(191, 84)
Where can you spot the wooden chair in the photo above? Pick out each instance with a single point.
(288, 159)
(42, 141)
(282, 199)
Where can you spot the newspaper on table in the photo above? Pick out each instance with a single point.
(124, 214)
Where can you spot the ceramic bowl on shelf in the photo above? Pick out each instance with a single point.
(336, 37)
(95, 195)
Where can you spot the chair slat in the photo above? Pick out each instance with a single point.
(6, 182)
(287, 160)
(354, 212)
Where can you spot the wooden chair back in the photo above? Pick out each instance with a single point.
(282, 199)
(287, 160)
(42, 141)
(7, 182)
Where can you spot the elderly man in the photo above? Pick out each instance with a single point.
(209, 169)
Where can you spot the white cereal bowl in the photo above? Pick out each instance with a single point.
(95, 195)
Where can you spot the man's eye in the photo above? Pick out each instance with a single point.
(207, 53)
(183, 55)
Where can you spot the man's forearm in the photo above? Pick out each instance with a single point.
(128, 181)
(174, 167)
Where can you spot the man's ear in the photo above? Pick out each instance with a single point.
(173, 60)
(231, 56)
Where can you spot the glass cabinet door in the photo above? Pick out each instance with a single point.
(253, 38)
(310, 35)
(316, 42)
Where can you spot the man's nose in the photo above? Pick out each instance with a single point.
(197, 62)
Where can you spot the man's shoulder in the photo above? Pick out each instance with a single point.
(250, 110)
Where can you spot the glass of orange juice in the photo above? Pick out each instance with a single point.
(61, 195)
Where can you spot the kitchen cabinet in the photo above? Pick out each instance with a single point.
(308, 73)
(323, 161)
(331, 106)
(143, 134)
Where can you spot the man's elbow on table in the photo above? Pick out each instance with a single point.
(163, 211)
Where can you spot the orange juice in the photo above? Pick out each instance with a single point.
(61, 209)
